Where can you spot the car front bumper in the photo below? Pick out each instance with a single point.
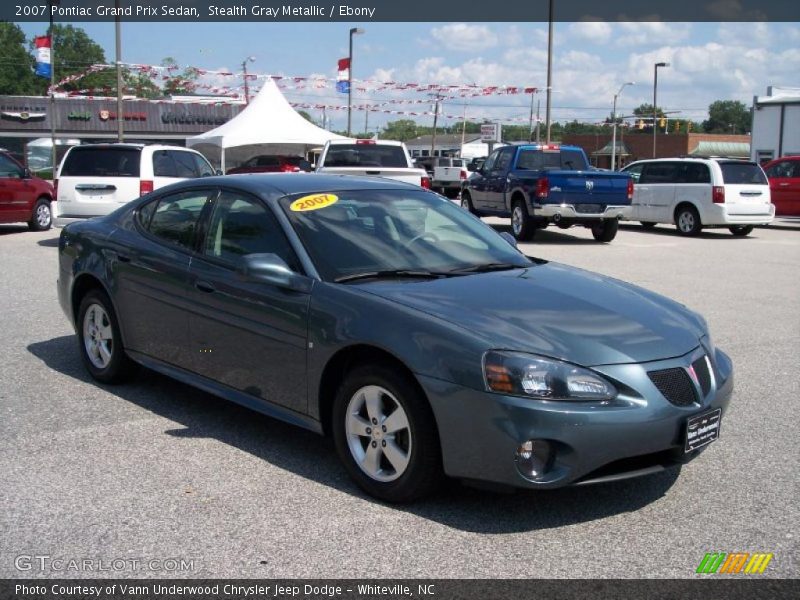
(637, 433)
(569, 212)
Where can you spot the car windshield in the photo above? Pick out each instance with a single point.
(405, 232)
(742, 173)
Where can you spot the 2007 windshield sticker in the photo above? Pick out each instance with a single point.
(313, 202)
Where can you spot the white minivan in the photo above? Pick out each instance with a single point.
(694, 193)
(95, 179)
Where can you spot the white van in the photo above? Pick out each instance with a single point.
(95, 179)
(694, 193)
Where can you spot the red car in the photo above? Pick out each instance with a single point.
(272, 164)
(24, 198)
(784, 184)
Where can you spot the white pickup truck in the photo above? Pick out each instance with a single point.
(378, 158)
(449, 174)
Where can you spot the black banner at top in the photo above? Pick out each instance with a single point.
(398, 10)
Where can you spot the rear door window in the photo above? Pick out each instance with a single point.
(742, 173)
(184, 163)
(659, 172)
(693, 173)
(99, 161)
(176, 216)
(164, 165)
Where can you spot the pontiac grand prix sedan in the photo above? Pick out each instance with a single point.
(384, 315)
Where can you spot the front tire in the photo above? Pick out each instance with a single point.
(521, 224)
(385, 434)
(466, 202)
(42, 217)
(100, 341)
(687, 220)
(741, 230)
(606, 230)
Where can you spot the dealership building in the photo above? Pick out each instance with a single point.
(776, 124)
(25, 122)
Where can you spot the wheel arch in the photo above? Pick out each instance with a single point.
(681, 204)
(337, 368)
(83, 284)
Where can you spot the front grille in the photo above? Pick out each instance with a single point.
(675, 384)
(700, 367)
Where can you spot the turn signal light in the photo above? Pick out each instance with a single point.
(630, 189)
(498, 379)
(718, 194)
(145, 186)
(542, 187)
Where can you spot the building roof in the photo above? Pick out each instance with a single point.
(780, 95)
(444, 139)
(622, 149)
(711, 148)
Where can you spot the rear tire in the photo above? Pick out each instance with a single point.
(100, 341)
(647, 224)
(687, 220)
(42, 217)
(741, 230)
(521, 224)
(466, 202)
(606, 230)
(386, 435)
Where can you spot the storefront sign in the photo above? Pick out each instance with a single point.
(79, 115)
(107, 115)
(187, 119)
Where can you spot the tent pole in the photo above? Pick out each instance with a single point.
(222, 160)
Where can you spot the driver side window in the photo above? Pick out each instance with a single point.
(490, 162)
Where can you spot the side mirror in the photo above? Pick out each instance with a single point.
(509, 238)
(219, 172)
(26, 173)
(270, 268)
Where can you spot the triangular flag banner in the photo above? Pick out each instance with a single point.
(43, 66)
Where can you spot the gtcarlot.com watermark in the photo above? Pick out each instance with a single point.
(44, 563)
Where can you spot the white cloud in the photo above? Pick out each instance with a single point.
(597, 32)
(464, 38)
(652, 33)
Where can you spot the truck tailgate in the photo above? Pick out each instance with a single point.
(398, 174)
(588, 187)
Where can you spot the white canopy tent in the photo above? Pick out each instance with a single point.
(268, 125)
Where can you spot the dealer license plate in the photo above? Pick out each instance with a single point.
(702, 429)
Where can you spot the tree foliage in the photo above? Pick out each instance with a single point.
(74, 52)
(727, 116)
(178, 84)
(17, 64)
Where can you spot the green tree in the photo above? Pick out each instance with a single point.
(402, 130)
(74, 52)
(181, 83)
(727, 116)
(17, 64)
(646, 110)
(140, 85)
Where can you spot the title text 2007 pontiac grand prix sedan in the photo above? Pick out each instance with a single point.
(382, 314)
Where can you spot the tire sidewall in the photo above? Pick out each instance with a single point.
(424, 467)
(34, 222)
(695, 215)
(116, 368)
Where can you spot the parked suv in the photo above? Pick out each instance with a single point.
(95, 179)
(699, 192)
(24, 198)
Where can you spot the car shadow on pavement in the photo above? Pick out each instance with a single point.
(313, 457)
(8, 229)
(548, 236)
(671, 231)
(49, 243)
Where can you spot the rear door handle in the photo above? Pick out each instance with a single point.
(204, 286)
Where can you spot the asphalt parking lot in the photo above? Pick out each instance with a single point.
(155, 469)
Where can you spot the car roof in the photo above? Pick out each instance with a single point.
(277, 185)
(366, 142)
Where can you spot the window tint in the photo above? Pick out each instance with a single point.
(164, 165)
(202, 166)
(742, 173)
(635, 172)
(659, 172)
(573, 160)
(8, 168)
(240, 226)
(488, 165)
(365, 155)
(176, 216)
(99, 161)
(184, 163)
(504, 159)
(689, 172)
(786, 168)
(145, 213)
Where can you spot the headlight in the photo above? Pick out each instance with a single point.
(533, 376)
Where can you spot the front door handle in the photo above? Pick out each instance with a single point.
(204, 286)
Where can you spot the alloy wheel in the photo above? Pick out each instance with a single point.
(517, 219)
(43, 216)
(378, 433)
(686, 221)
(98, 337)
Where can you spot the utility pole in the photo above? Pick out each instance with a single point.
(53, 153)
(353, 31)
(435, 117)
(655, 99)
(120, 116)
(244, 74)
(538, 121)
(366, 120)
(463, 128)
(549, 70)
(530, 122)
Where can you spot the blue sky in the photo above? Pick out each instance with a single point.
(709, 61)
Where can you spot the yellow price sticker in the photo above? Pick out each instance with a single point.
(313, 202)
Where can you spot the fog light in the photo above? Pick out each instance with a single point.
(533, 458)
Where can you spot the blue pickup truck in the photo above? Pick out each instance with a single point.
(540, 184)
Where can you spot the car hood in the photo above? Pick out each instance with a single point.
(557, 311)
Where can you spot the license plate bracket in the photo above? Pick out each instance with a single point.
(702, 429)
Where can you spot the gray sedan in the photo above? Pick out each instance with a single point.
(425, 343)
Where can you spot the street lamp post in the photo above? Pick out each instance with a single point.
(549, 68)
(353, 31)
(118, 36)
(655, 100)
(244, 75)
(614, 127)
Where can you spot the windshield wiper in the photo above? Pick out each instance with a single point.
(485, 267)
(389, 273)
